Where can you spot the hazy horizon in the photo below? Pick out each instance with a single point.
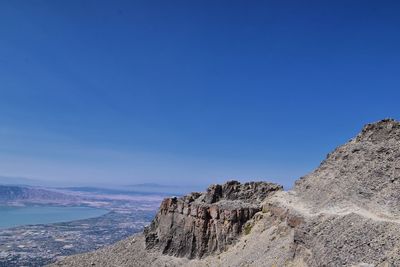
(189, 93)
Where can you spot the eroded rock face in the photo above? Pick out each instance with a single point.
(197, 225)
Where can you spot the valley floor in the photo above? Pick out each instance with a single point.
(37, 245)
(43, 243)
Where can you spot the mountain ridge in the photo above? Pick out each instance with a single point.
(344, 213)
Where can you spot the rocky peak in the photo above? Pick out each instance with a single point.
(252, 192)
(365, 172)
(380, 131)
(199, 224)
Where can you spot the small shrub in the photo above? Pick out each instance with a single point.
(247, 228)
(265, 209)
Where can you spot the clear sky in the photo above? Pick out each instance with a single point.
(190, 92)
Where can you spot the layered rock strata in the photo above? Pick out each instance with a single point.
(197, 225)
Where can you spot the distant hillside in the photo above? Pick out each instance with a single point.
(8, 180)
(99, 190)
(160, 188)
(24, 194)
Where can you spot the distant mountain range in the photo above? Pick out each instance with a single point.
(24, 181)
(10, 194)
(112, 191)
(8, 180)
(160, 188)
(22, 195)
(141, 188)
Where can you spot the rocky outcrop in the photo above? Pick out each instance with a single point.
(197, 225)
(345, 213)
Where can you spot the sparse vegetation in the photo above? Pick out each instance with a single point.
(247, 228)
(265, 209)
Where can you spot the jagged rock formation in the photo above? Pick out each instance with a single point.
(197, 225)
(345, 213)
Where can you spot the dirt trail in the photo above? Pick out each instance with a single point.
(290, 200)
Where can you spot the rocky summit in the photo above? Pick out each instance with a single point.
(345, 213)
(363, 173)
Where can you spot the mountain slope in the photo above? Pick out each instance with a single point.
(364, 173)
(345, 213)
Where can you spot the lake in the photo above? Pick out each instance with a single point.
(17, 216)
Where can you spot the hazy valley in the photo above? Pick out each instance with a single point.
(107, 216)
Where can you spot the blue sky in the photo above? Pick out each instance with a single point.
(190, 92)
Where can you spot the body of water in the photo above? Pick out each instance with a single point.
(17, 216)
